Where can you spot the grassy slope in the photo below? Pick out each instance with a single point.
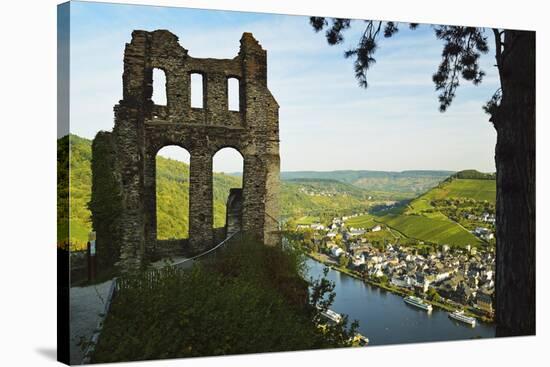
(306, 219)
(479, 190)
(434, 226)
(443, 231)
(362, 221)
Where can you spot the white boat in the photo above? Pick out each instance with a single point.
(459, 316)
(417, 302)
(332, 316)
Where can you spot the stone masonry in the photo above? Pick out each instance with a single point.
(234, 210)
(142, 128)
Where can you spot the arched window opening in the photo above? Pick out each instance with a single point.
(159, 87)
(197, 91)
(172, 192)
(233, 100)
(227, 165)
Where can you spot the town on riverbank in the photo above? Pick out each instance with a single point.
(451, 278)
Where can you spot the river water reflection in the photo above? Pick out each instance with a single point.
(385, 319)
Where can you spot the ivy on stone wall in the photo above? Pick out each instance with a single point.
(106, 201)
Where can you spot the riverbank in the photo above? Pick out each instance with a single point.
(325, 260)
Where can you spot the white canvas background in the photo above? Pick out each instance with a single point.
(28, 183)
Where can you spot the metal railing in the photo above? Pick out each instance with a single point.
(180, 262)
(153, 276)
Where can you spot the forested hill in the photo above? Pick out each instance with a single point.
(172, 193)
(406, 183)
(446, 214)
(472, 174)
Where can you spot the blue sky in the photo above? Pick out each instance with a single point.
(326, 121)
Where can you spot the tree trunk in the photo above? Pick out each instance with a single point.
(514, 121)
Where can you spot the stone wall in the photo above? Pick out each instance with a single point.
(234, 212)
(143, 128)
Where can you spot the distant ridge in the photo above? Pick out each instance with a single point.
(351, 176)
(410, 183)
(473, 174)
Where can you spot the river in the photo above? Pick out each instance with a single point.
(385, 319)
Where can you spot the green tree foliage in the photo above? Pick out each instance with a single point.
(297, 203)
(343, 261)
(462, 48)
(433, 295)
(474, 175)
(106, 201)
(249, 298)
(73, 215)
(63, 192)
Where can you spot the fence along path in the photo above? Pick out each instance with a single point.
(151, 278)
(154, 275)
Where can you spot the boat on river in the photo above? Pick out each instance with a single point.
(417, 302)
(460, 316)
(330, 315)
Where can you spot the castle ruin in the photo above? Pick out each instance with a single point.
(123, 165)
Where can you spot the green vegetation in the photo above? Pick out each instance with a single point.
(172, 194)
(324, 186)
(386, 235)
(173, 198)
(379, 184)
(307, 220)
(474, 175)
(462, 200)
(299, 200)
(366, 221)
(73, 211)
(309, 196)
(248, 299)
(480, 190)
(106, 202)
(418, 227)
(442, 231)
(441, 215)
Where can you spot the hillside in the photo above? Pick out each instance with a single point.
(398, 185)
(173, 198)
(462, 189)
(435, 216)
(298, 198)
(445, 214)
(321, 198)
(172, 193)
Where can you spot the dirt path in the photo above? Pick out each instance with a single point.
(87, 303)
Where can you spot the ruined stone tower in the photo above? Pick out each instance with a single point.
(142, 128)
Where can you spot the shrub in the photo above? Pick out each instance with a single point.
(247, 298)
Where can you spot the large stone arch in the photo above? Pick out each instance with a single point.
(142, 128)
